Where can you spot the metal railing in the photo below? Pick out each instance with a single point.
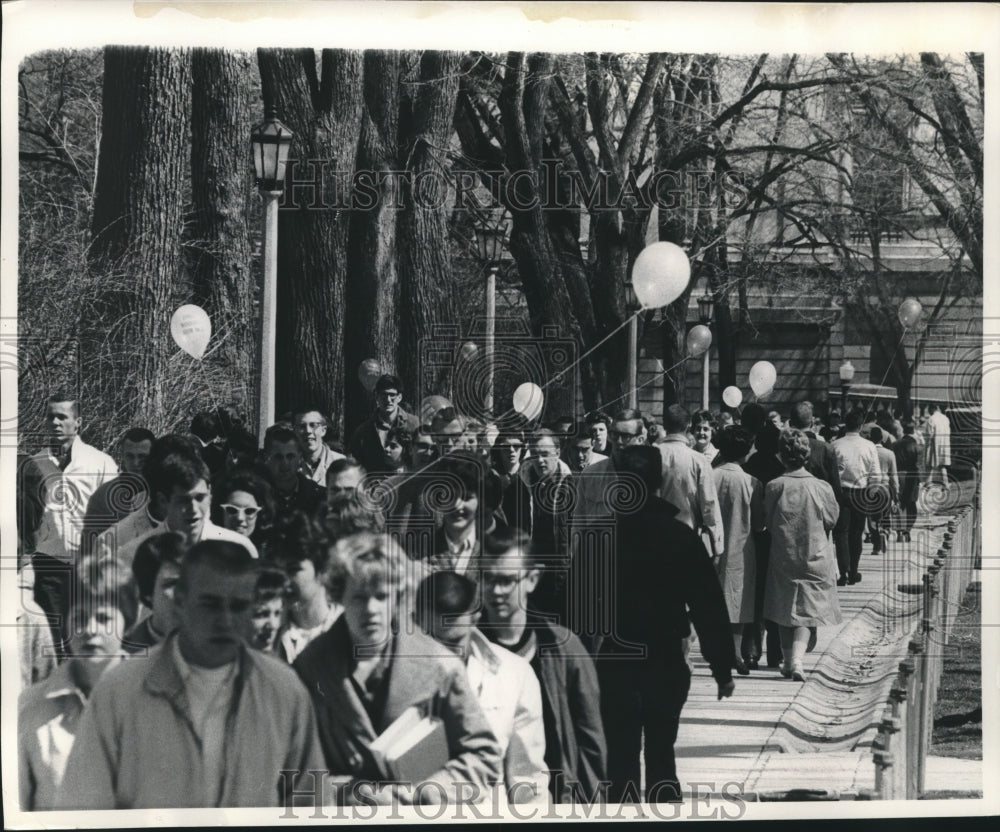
(904, 735)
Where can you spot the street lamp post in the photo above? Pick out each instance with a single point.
(490, 238)
(270, 141)
(632, 309)
(706, 305)
(846, 377)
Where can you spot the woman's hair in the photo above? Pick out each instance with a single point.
(373, 560)
(347, 514)
(734, 442)
(243, 479)
(403, 437)
(705, 416)
(793, 448)
(271, 584)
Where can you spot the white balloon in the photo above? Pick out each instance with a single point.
(660, 274)
(732, 396)
(192, 329)
(762, 378)
(529, 400)
(698, 340)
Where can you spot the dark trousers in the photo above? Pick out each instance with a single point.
(752, 647)
(907, 516)
(850, 531)
(643, 695)
(54, 582)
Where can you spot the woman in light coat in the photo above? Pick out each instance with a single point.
(801, 593)
(741, 502)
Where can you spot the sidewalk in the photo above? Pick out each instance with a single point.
(776, 736)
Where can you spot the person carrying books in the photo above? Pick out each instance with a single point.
(371, 668)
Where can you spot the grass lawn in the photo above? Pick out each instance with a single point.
(958, 714)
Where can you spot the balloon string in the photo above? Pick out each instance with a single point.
(580, 358)
(892, 360)
(638, 387)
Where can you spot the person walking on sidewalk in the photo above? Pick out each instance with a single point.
(801, 593)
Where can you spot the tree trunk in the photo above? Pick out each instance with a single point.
(325, 115)
(137, 226)
(372, 325)
(222, 189)
(425, 269)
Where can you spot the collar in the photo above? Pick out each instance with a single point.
(56, 451)
(467, 541)
(165, 678)
(675, 437)
(60, 683)
(482, 650)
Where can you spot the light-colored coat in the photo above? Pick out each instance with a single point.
(511, 699)
(741, 502)
(136, 748)
(801, 589)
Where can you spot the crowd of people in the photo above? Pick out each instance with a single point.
(209, 623)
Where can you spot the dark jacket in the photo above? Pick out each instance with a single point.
(822, 464)
(907, 453)
(366, 445)
(420, 671)
(307, 497)
(571, 700)
(663, 573)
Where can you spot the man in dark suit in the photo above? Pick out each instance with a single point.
(662, 573)
(907, 453)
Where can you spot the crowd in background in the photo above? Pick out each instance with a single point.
(208, 612)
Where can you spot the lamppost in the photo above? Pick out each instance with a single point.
(706, 305)
(846, 377)
(491, 235)
(270, 141)
(632, 307)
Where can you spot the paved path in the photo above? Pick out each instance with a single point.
(775, 735)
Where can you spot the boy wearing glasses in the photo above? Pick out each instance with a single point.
(368, 442)
(575, 749)
(311, 426)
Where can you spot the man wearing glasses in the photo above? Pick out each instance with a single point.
(310, 424)
(575, 749)
(368, 442)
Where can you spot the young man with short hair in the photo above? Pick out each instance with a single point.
(69, 472)
(203, 721)
(127, 492)
(293, 490)
(575, 749)
(506, 686)
(180, 485)
(581, 453)
(343, 478)
(311, 426)
(155, 571)
(49, 712)
(687, 481)
(858, 466)
(367, 445)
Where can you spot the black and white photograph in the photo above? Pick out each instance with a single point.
(463, 412)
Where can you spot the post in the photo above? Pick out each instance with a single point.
(704, 379)
(844, 387)
(269, 299)
(633, 360)
(491, 324)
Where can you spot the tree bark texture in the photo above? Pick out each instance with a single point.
(323, 109)
(224, 196)
(427, 107)
(372, 328)
(137, 227)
